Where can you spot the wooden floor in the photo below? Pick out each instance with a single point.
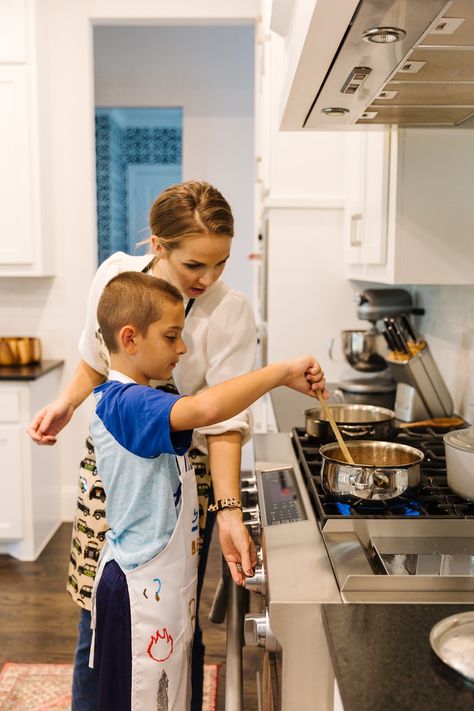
(38, 618)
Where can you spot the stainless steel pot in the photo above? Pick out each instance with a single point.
(382, 470)
(354, 422)
(459, 447)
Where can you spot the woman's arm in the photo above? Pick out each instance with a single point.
(236, 544)
(52, 418)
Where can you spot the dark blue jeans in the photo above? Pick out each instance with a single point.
(85, 681)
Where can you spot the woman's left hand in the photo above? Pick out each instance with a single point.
(237, 546)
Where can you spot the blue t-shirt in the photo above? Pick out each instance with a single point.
(136, 460)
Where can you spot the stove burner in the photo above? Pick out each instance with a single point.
(434, 498)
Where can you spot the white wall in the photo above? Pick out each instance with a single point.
(448, 326)
(209, 72)
(309, 300)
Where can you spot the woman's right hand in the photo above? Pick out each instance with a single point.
(49, 421)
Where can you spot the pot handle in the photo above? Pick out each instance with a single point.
(367, 432)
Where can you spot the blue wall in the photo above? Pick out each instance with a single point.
(127, 137)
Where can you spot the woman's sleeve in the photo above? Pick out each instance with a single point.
(90, 344)
(231, 351)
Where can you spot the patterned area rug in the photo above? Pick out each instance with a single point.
(47, 687)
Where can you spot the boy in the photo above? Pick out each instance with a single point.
(144, 594)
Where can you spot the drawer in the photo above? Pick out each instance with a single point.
(9, 405)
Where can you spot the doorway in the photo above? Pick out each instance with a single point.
(138, 154)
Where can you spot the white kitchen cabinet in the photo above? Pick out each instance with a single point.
(408, 206)
(13, 30)
(24, 247)
(29, 475)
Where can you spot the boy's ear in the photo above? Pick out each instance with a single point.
(126, 338)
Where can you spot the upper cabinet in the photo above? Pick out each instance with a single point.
(24, 247)
(409, 217)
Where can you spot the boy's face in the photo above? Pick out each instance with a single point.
(158, 352)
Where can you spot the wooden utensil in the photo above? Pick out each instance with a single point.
(435, 422)
(335, 428)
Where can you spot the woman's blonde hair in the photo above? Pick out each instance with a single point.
(188, 209)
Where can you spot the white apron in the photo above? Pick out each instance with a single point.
(163, 610)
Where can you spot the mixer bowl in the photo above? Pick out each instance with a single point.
(364, 350)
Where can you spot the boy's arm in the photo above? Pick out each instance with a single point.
(226, 399)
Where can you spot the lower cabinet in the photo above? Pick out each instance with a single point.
(29, 475)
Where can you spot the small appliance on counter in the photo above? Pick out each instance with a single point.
(366, 350)
(18, 350)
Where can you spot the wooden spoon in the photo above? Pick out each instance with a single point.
(435, 422)
(335, 428)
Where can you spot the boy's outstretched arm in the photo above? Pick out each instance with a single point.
(222, 401)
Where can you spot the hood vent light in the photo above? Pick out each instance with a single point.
(334, 111)
(384, 35)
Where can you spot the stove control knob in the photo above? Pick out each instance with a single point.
(248, 480)
(257, 632)
(249, 496)
(258, 581)
(251, 519)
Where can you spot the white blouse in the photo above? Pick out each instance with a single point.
(220, 335)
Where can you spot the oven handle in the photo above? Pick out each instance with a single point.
(231, 600)
(236, 608)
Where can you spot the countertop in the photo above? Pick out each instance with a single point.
(28, 372)
(383, 660)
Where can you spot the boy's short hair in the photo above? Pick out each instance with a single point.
(133, 298)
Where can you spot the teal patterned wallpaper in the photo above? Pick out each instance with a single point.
(129, 137)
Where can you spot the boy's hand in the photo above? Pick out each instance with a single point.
(306, 376)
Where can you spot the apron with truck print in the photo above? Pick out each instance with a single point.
(163, 608)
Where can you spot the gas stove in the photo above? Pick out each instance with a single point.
(318, 549)
(412, 546)
(433, 500)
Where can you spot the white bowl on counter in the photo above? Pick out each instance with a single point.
(459, 446)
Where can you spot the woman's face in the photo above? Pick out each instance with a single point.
(195, 265)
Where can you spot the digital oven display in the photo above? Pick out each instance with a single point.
(281, 496)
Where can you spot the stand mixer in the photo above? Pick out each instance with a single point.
(366, 350)
(394, 358)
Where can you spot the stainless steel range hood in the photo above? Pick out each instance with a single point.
(407, 62)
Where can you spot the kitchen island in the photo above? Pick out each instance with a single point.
(383, 660)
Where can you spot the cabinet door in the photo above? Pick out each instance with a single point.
(16, 169)
(11, 504)
(367, 185)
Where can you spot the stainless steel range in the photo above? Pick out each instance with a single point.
(320, 549)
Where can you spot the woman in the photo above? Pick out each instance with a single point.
(192, 229)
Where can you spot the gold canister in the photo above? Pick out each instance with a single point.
(18, 350)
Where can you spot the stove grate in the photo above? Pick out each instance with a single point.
(434, 498)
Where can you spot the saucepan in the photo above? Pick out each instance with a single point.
(382, 470)
(353, 421)
(459, 448)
